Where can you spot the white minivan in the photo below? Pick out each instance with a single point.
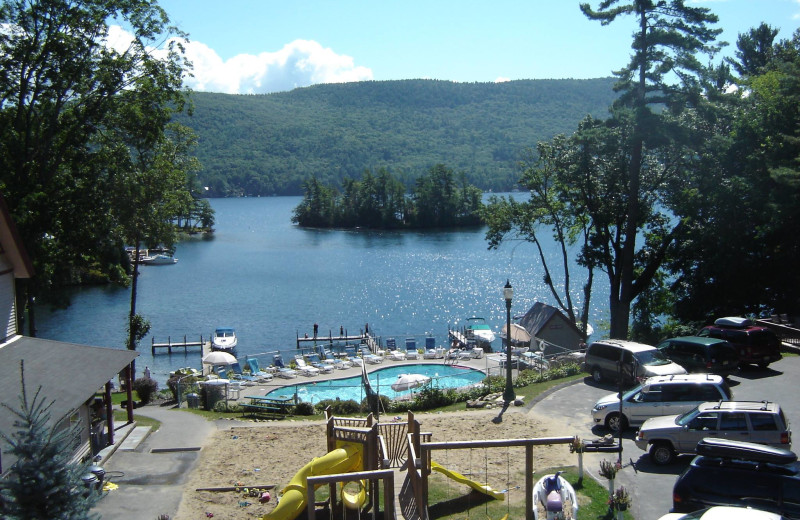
(610, 358)
(657, 396)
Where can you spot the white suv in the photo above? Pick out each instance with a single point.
(660, 395)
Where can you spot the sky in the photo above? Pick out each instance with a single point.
(263, 46)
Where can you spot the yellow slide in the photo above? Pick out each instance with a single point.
(293, 498)
(458, 477)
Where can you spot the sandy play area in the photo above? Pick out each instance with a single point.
(272, 452)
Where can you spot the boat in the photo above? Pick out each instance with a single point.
(159, 259)
(406, 382)
(554, 498)
(478, 330)
(224, 339)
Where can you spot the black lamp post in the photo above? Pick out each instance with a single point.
(508, 395)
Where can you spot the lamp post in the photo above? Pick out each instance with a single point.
(508, 395)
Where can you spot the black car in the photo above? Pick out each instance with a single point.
(740, 474)
(702, 354)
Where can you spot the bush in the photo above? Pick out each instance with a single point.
(339, 407)
(187, 383)
(304, 408)
(145, 387)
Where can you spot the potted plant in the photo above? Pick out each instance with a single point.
(609, 471)
(620, 501)
(578, 446)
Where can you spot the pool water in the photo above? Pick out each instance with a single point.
(442, 376)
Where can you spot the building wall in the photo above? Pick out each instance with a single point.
(8, 306)
(558, 331)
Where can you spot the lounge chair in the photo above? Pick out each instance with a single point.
(431, 352)
(342, 363)
(411, 348)
(391, 344)
(283, 370)
(306, 370)
(396, 355)
(247, 380)
(256, 371)
(316, 362)
(369, 357)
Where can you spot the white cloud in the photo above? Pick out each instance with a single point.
(298, 64)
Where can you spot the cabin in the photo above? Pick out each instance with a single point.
(76, 379)
(559, 333)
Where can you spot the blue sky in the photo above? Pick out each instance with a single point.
(258, 46)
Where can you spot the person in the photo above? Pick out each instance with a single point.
(147, 372)
(316, 328)
(341, 330)
(366, 328)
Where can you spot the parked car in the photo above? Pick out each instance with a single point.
(739, 474)
(657, 396)
(724, 513)
(761, 422)
(757, 345)
(702, 354)
(639, 361)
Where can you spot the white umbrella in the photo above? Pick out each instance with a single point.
(218, 357)
(519, 334)
(406, 382)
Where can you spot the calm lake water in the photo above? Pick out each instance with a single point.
(272, 281)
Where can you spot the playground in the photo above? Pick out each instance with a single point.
(280, 454)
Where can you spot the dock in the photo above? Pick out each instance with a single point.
(169, 345)
(331, 339)
(456, 336)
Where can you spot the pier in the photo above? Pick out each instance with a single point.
(458, 337)
(331, 339)
(169, 345)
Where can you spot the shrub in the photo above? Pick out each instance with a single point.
(145, 387)
(339, 407)
(304, 408)
(187, 384)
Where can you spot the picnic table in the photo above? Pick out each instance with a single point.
(270, 406)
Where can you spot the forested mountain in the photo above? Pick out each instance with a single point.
(270, 144)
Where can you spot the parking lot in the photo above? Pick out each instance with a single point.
(651, 485)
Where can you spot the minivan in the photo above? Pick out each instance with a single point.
(638, 361)
(657, 396)
(702, 355)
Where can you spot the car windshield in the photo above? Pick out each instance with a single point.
(652, 358)
(685, 418)
(632, 392)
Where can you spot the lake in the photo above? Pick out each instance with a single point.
(271, 281)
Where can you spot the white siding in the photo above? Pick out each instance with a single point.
(8, 307)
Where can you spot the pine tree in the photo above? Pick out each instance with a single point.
(43, 484)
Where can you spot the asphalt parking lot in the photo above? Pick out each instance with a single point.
(651, 485)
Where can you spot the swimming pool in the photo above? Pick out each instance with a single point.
(442, 376)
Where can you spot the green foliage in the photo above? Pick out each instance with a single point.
(380, 202)
(339, 407)
(145, 388)
(304, 408)
(43, 484)
(271, 144)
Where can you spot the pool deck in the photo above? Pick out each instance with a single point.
(484, 364)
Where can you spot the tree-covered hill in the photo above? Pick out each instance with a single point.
(269, 144)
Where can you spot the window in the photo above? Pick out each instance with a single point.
(735, 421)
(708, 393)
(762, 422)
(704, 421)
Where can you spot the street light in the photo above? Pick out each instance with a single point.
(508, 395)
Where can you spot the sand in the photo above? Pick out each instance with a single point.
(272, 452)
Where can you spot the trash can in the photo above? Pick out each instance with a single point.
(193, 400)
(215, 392)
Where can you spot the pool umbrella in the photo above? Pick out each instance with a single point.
(406, 382)
(218, 357)
(519, 334)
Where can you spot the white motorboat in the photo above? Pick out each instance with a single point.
(478, 330)
(552, 494)
(159, 259)
(224, 339)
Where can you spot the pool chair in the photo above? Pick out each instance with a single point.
(306, 370)
(246, 379)
(256, 371)
(316, 362)
(342, 363)
(391, 344)
(396, 355)
(431, 352)
(369, 357)
(411, 348)
(283, 371)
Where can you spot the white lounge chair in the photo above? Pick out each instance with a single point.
(411, 348)
(283, 370)
(396, 355)
(306, 370)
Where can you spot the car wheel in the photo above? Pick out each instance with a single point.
(615, 422)
(597, 375)
(661, 453)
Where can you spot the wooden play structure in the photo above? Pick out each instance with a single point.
(389, 465)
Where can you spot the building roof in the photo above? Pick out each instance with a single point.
(68, 374)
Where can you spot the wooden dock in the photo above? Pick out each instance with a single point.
(330, 339)
(169, 345)
(459, 337)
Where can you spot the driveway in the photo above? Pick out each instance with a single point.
(650, 485)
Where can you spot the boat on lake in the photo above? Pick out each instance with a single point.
(224, 339)
(480, 332)
(159, 259)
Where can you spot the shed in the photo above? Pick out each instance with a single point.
(545, 322)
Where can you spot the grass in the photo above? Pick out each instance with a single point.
(451, 501)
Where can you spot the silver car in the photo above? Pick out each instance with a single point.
(750, 421)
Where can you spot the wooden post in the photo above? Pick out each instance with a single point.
(129, 389)
(109, 414)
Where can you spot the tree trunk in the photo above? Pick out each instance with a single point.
(132, 314)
